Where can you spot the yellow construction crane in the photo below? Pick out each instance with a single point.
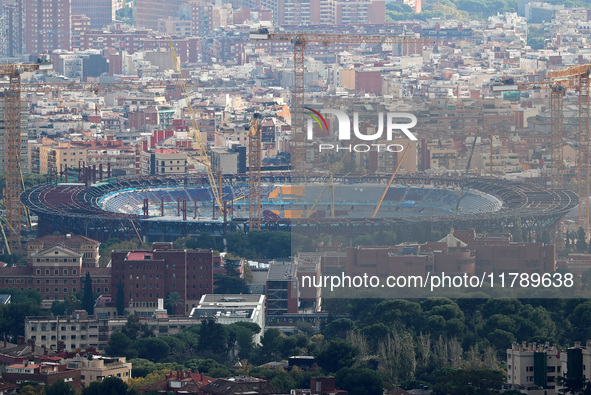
(12, 109)
(12, 145)
(581, 76)
(299, 41)
(329, 184)
(558, 89)
(197, 134)
(375, 212)
(254, 173)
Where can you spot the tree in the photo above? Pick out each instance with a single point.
(469, 382)
(225, 284)
(30, 388)
(580, 318)
(87, 298)
(213, 340)
(359, 381)
(581, 240)
(134, 329)
(151, 348)
(118, 344)
(338, 328)
(337, 355)
(270, 343)
(59, 388)
(120, 300)
(110, 385)
(173, 300)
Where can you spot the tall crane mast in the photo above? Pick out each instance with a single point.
(254, 173)
(557, 91)
(580, 74)
(12, 145)
(12, 117)
(299, 41)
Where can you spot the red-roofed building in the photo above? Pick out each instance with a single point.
(241, 385)
(43, 373)
(7, 388)
(185, 382)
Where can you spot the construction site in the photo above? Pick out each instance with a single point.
(88, 200)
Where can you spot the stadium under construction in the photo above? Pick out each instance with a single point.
(163, 209)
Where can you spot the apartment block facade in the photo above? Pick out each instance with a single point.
(147, 276)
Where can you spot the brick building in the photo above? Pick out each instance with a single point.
(282, 289)
(44, 373)
(464, 252)
(147, 276)
(37, 26)
(57, 266)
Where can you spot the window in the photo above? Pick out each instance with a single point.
(38, 271)
(74, 271)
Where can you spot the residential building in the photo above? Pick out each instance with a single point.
(464, 252)
(68, 332)
(240, 385)
(100, 12)
(80, 330)
(11, 354)
(538, 368)
(326, 12)
(148, 12)
(147, 276)
(186, 383)
(175, 26)
(45, 25)
(48, 157)
(324, 385)
(201, 18)
(163, 161)
(98, 367)
(80, 24)
(229, 160)
(120, 155)
(44, 373)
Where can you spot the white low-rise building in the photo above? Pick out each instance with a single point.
(228, 309)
